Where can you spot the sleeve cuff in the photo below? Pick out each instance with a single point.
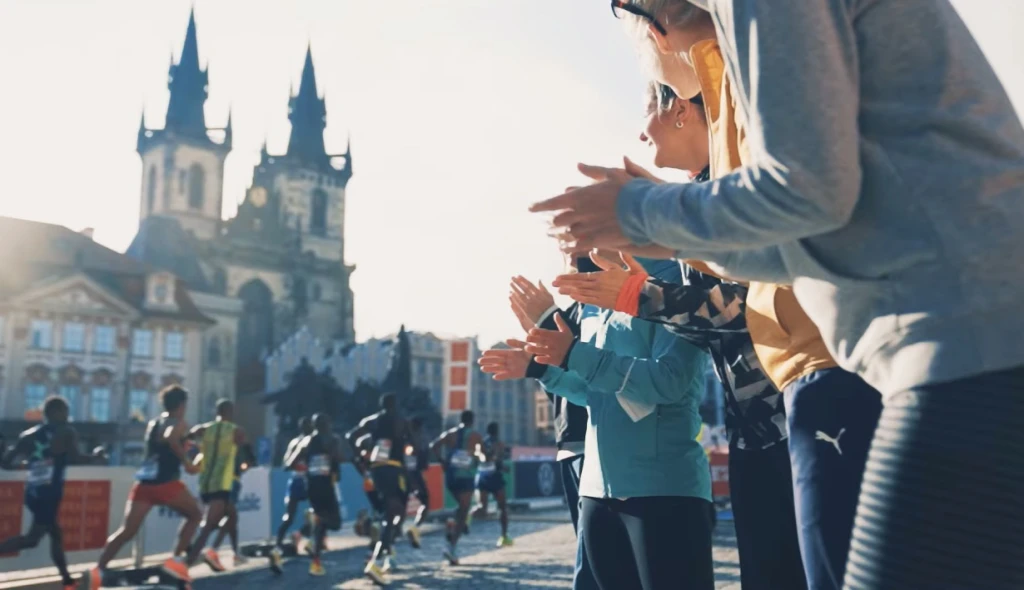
(547, 316)
(536, 370)
(630, 210)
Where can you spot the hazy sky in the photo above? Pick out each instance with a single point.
(461, 113)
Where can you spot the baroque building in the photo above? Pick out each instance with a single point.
(276, 266)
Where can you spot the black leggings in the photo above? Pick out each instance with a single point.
(942, 502)
(655, 543)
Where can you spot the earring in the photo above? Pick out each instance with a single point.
(679, 124)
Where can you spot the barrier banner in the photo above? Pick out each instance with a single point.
(11, 508)
(92, 507)
(85, 514)
(536, 479)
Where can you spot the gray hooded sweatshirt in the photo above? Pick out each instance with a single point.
(885, 183)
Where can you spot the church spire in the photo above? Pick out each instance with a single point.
(187, 83)
(308, 115)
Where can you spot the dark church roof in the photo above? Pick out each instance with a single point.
(164, 244)
(35, 253)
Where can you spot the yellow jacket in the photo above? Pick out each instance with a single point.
(786, 341)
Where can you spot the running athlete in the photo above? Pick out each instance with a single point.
(229, 524)
(490, 479)
(322, 454)
(220, 440)
(297, 493)
(158, 483)
(46, 451)
(460, 444)
(390, 433)
(417, 459)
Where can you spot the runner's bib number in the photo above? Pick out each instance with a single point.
(486, 467)
(410, 462)
(148, 470)
(461, 459)
(40, 473)
(319, 465)
(381, 451)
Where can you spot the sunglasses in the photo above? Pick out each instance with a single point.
(620, 6)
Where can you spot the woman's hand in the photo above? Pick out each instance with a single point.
(505, 364)
(601, 289)
(549, 347)
(529, 302)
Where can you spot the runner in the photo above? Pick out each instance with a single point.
(158, 483)
(220, 440)
(417, 459)
(229, 524)
(46, 451)
(390, 434)
(298, 492)
(322, 454)
(459, 443)
(366, 524)
(490, 479)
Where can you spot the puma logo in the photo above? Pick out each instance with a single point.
(832, 441)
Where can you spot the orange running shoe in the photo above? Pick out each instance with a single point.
(92, 579)
(212, 559)
(176, 568)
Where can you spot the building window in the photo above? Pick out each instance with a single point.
(318, 213)
(509, 403)
(182, 179)
(174, 346)
(103, 339)
(74, 337)
(151, 190)
(142, 343)
(42, 334)
(138, 404)
(481, 398)
(99, 404)
(196, 182)
(35, 395)
(213, 353)
(522, 403)
(70, 394)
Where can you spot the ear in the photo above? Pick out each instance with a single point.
(682, 110)
(661, 41)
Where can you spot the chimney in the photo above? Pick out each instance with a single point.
(87, 232)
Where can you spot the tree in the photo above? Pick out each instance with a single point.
(308, 392)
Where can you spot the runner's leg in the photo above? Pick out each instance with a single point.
(57, 554)
(286, 521)
(214, 512)
(21, 542)
(499, 497)
(464, 499)
(134, 514)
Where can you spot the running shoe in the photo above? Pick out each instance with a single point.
(176, 568)
(375, 573)
(414, 536)
(212, 559)
(389, 564)
(240, 560)
(92, 579)
(297, 539)
(72, 585)
(316, 568)
(505, 541)
(450, 555)
(275, 561)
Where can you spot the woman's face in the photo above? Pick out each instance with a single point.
(678, 135)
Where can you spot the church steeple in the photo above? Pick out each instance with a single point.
(308, 115)
(188, 85)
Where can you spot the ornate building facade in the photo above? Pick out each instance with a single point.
(279, 264)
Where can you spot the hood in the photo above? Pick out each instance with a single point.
(701, 4)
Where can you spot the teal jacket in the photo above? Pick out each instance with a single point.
(621, 360)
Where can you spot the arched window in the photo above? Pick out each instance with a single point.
(256, 328)
(196, 182)
(318, 213)
(151, 190)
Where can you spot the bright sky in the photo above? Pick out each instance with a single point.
(461, 113)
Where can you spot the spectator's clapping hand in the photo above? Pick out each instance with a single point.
(529, 302)
(600, 288)
(550, 347)
(505, 364)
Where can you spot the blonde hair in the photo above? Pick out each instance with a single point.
(672, 14)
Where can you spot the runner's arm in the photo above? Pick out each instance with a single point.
(196, 432)
(67, 442)
(174, 436)
(14, 459)
(296, 453)
(361, 430)
(439, 443)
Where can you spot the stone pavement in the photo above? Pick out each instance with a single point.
(541, 558)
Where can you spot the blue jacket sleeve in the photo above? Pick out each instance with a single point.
(565, 384)
(668, 376)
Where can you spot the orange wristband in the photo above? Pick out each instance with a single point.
(628, 300)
